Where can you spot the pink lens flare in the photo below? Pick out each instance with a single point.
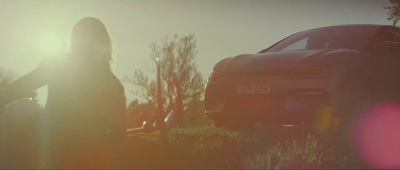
(377, 136)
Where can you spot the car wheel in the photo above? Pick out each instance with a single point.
(354, 95)
(355, 92)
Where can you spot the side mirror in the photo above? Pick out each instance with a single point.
(388, 48)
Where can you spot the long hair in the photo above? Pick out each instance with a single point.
(90, 37)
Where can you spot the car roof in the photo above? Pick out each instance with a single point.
(373, 27)
(352, 26)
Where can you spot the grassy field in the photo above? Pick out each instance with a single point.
(211, 147)
(205, 146)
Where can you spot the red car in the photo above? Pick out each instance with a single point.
(312, 78)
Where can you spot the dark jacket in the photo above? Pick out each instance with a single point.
(85, 105)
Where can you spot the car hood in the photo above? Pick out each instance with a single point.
(287, 60)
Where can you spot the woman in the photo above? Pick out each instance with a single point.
(85, 110)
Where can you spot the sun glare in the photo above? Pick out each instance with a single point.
(52, 44)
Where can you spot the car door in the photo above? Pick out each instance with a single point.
(385, 64)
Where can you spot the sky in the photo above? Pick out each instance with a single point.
(32, 30)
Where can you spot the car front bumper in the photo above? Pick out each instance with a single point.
(288, 101)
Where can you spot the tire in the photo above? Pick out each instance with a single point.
(355, 94)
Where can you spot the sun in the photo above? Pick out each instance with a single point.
(52, 44)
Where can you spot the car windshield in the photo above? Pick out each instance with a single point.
(327, 38)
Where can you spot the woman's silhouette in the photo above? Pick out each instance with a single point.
(85, 110)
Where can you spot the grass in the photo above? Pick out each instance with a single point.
(211, 147)
(304, 154)
(208, 147)
(205, 147)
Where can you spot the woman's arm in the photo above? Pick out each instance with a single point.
(24, 86)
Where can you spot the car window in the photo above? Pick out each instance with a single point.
(355, 38)
(301, 44)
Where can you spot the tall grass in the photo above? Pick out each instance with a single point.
(202, 147)
(211, 147)
(306, 153)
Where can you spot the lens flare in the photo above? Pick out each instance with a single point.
(52, 44)
(324, 118)
(377, 136)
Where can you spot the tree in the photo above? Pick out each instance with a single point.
(393, 11)
(181, 81)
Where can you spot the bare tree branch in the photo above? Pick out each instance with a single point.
(181, 81)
